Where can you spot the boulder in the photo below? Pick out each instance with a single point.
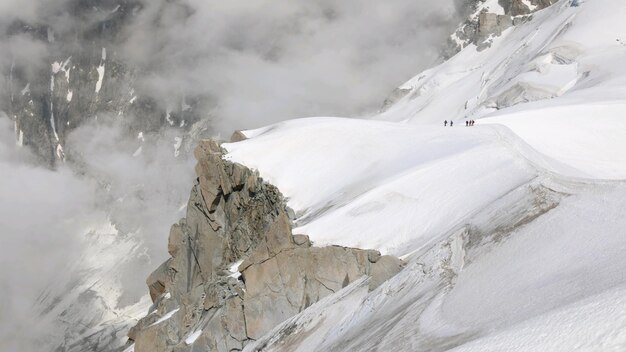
(238, 136)
(157, 280)
(302, 240)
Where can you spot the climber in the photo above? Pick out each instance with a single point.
(466, 123)
(451, 123)
(445, 123)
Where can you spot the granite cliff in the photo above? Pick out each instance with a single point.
(236, 270)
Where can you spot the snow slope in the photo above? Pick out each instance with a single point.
(513, 229)
(550, 286)
(347, 178)
(560, 85)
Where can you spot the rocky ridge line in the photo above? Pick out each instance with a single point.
(236, 271)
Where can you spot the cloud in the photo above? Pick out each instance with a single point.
(249, 62)
(265, 61)
(52, 226)
(41, 214)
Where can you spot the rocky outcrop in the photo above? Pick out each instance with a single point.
(490, 23)
(483, 24)
(236, 271)
(524, 7)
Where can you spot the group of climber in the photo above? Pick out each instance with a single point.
(467, 123)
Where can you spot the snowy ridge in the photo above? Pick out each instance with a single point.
(344, 198)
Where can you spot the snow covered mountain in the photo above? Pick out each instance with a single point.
(512, 229)
(509, 234)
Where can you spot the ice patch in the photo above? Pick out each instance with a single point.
(100, 77)
(52, 124)
(165, 317)
(70, 94)
(26, 89)
(234, 269)
(177, 143)
(457, 40)
(530, 5)
(60, 153)
(101, 70)
(193, 337)
(20, 139)
(67, 69)
(56, 67)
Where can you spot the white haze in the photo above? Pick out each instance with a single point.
(46, 216)
(253, 63)
(42, 214)
(264, 61)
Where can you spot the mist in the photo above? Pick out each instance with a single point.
(266, 61)
(245, 63)
(41, 214)
(57, 224)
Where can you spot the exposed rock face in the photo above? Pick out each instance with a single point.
(521, 7)
(490, 23)
(81, 76)
(482, 25)
(236, 270)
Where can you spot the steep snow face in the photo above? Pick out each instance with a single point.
(572, 244)
(513, 227)
(100, 70)
(564, 67)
